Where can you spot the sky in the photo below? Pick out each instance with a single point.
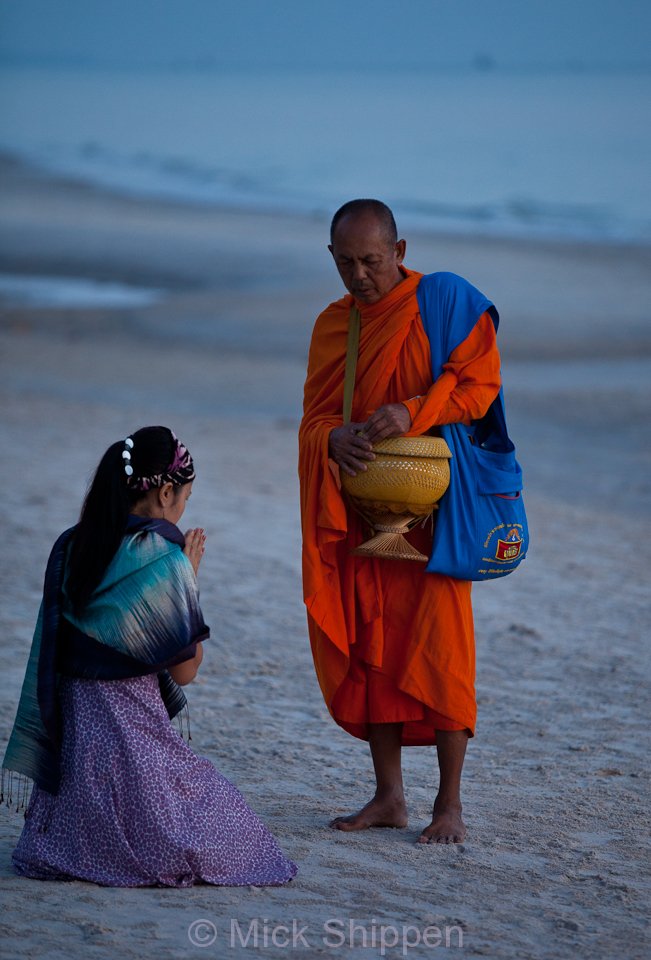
(340, 34)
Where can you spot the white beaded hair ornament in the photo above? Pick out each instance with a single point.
(179, 471)
(126, 456)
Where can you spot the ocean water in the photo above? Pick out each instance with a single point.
(30, 290)
(525, 154)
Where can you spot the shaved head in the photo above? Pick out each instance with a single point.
(366, 208)
(366, 250)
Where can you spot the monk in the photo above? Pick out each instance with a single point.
(393, 646)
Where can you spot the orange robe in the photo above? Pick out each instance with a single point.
(390, 642)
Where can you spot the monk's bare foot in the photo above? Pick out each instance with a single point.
(379, 812)
(446, 826)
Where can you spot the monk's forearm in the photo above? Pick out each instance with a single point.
(428, 405)
(313, 440)
(318, 473)
(450, 402)
(469, 383)
(468, 403)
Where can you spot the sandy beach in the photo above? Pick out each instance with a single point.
(556, 783)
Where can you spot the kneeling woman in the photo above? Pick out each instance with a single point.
(119, 798)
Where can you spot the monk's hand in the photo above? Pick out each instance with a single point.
(349, 448)
(391, 420)
(195, 545)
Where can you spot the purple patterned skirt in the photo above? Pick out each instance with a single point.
(136, 806)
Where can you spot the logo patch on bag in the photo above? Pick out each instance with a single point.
(505, 546)
(509, 548)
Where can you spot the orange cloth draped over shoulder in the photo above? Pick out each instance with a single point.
(390, 642)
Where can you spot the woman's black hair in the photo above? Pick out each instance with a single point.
(106, 508)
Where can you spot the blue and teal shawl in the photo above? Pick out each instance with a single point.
(142, 618)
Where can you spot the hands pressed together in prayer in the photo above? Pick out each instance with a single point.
(195, 545)
(351, 445)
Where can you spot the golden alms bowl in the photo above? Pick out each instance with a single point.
(398, 489)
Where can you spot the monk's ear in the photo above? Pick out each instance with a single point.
(330, 249)
(401, 248)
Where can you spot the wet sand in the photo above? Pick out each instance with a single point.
(555, 863)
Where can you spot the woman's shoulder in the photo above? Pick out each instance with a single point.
(142, 547)
(151, 550)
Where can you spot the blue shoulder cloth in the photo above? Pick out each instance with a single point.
(481, 529)
(161, 593)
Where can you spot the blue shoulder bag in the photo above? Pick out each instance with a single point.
(481, 529)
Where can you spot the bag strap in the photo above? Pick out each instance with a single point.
(354, 326)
